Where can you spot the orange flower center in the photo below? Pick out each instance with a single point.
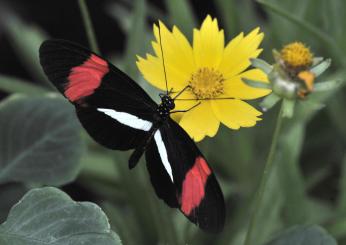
(206, 83)
(296, 55)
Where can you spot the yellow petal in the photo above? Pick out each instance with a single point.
(153, 72)
(200, 122)
(236, 88)
(238, 52)
(178, 57)
(208, 44)
(235, 113)
(176, 48)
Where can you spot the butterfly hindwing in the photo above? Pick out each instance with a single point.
(113, 109)
(183, 179)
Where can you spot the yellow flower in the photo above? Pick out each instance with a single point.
(212, 72)
(296, 55)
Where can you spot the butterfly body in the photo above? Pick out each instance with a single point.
(118, 114)
(161, 114)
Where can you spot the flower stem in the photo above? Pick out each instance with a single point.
(264, 180)
(88, 26)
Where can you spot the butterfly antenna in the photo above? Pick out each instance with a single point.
(163, 60)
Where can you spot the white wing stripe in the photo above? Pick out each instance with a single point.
(163, 153)
(127, 119)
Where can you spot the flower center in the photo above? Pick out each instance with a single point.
(296, 55)
(206, 83)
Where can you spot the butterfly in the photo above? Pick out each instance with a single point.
(118, 114)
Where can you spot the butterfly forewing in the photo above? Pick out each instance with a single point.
(109, 104)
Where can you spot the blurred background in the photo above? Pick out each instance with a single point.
(309, 182)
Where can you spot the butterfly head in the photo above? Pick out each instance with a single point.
(167, 104)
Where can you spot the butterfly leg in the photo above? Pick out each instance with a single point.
(187, 109)
(178, 94)
(139, 151)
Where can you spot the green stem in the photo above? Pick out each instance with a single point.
(268, 168)
(88, 26)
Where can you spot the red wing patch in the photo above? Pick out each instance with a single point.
(85, 78)
(193, 190)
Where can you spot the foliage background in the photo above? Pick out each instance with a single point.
(309, 182)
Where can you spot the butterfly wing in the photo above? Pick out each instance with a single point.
(118, 114)
(113, 109)
(183, 179)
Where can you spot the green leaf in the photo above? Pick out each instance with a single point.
(49, 216)
(40, 140)
(16, 85)
(327, 85)
(121, 14)
(312, 29)
(136, 34)
(256, 84)
(261, 64)
(272, 203)
(303, 235)
(288, 108)
(291, 178)
(26, 40)
(181, 15)
(269, 101)
(342, 188)
(229, 15)
(9, 195)
(321, 67)
(307, 110)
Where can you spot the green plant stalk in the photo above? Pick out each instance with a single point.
(269, 166)
(88, 26)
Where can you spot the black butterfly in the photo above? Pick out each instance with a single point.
(119, 115)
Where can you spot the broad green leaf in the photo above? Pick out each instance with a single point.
(49, 216)
(40, 140)
(303, 235)
(9, 195)
(123, 223)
